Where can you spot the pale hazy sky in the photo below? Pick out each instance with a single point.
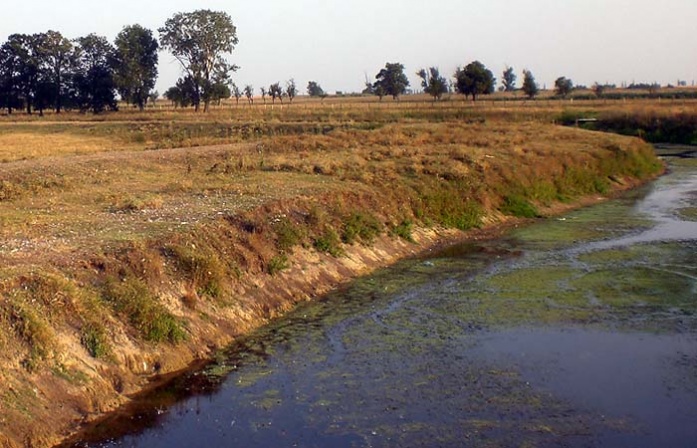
(337, 42)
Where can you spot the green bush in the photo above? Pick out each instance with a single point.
(131, 298)
(516, 205)
(363, 226)
(329, 242)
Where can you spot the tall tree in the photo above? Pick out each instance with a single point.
(291, 89)
(22, 56)
(58, 59)
(200, 40)
(475, 79)
(391, 80)
(433, 83)
(136, 68)
(237, 93)
(249, 93)
(314, 89)
(10, 70)
(264, 92)
(509, 79)
(563, 86)
(530, 87)
(94, 77)
(276, 91)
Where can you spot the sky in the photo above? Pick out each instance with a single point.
(337, 43)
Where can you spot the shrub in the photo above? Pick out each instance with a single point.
(329, 243)
(363, 226)
(202, 268)
(131, 298)
(516, 205)
(277, 264)
(94, 338)
(404, 230)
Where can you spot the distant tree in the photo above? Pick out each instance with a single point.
(153, 97)
(21, 62)
(563, 86)
(58, 60)
(433, 83)
(598, 89)
(94, 77)
(136, 67)
(530, 87)
(199, 40)
(475, 79)
(509, 79)
(218, 90)
(391, 80)
(183, 93)
(263, 94)
(291, 89)
(249, 93)
(236, 92)
(276, 91)
(314, 89)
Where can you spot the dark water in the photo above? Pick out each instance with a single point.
(578, 331)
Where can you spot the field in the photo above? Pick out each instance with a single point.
(131, 244)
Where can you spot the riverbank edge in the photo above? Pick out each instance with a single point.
(327, 273)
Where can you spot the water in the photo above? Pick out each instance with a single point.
(578, 331)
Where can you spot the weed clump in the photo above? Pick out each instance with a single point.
(516, 205)
(361, 226)
(329, 242)
(202, 268)
(94, 338)
(404, 230)
(131, 298)
(277, 264)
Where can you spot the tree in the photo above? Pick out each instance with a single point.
(22, 61)
(276, 91)
(263, 94)
(391, 80)
(249, 93)
(199, 40)
(291, 89)
(182, 94)
(509, 79)
(563, 86)
(315, 90)
(237, 93)
(136, 68)
(475, 79)
(598, 89)
(94, 77)
(58, 60)
(530, 87)
(433, 83)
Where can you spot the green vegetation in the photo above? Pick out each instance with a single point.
(132, 299)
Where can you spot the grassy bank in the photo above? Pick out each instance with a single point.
(124, 259)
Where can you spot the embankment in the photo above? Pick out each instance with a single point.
(105, 300)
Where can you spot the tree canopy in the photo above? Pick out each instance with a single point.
(509, 79)
(433, 83)
(315, 90)
(136, 68)
(200, 40)
(563, 86)
(391, 80)
(530, 87)
(94, 74)
(475, 79)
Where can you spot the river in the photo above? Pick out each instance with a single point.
(575, 331)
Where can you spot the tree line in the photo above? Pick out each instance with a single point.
(49, 71)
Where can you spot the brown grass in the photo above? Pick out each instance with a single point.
(155, 229)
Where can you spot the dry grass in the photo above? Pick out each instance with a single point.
(147, 227)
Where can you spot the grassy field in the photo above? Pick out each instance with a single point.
(130, 242)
